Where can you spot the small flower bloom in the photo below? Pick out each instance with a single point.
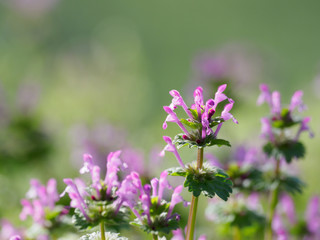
(170, 147)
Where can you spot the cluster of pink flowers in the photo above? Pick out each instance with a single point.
(279, 113)
(103, 189)
(133, 194)
(200, 114)
(40, 199)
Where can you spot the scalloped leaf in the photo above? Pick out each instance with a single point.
(292, 184)
(81, 222)
(208, 142)
(209, 181)
(160, 225)
(288, 150)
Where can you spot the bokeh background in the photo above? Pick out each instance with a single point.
(73, 70)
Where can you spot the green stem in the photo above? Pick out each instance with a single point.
(103, 237)
(273, 203)
(236, 233)
(154, 237)
(194, 202)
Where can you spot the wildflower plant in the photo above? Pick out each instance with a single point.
(97, 203)
(41, 203)
(153, 213)
(281, 143)
(200, 129)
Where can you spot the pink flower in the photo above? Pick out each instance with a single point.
(170, 147)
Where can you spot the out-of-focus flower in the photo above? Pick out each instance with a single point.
(235, 65)
(279, 229)
(42, 199)
(238, 211)
(307, 228)
(281, 143)
(8, 230)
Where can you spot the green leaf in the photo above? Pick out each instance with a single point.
(81, 222)
(218, 142)
(287, 150)
(102, 211)
(194, 113)
(207, 142)
(209, 181)
(215, 122)
(160, 224)
(291, 184)
(286, 120)
(192, 124)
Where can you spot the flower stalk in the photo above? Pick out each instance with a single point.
(103, 237)
(194, 202)
(273, 202)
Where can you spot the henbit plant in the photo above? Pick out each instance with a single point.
(42, 205)
(281, 144)
(97, 203)
(153, 213)
(199, 178)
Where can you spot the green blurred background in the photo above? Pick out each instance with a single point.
(115, 61)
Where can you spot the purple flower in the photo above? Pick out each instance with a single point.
(304, 126)
(133, 194)
(312, 216)
(43, 198)
(76, 193)
(265, 95)
(8, 230)
(219, 95)
(200, 114)
(288, 207)
(279, 228)
(178, 101)
(16, 237)
(282, 118)
(296, 102)
(172, 117)
(170, 147)
(266, 129)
